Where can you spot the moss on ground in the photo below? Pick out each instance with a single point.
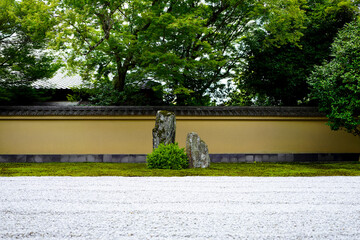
(216, 169)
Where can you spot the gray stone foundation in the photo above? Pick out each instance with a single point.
(109, 158)
(215, 158)
(250, 158)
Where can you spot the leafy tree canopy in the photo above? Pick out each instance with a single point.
(276, 70)
(187, 45)
(23, 34)
(336, 83)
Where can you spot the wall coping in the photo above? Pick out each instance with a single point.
(151, 111)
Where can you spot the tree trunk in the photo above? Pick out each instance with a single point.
(119, 79)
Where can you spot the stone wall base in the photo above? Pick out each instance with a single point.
(73, 158)
(215, 158)
(296, 157)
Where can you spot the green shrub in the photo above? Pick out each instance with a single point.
(102, 93)
(80, 93)
(169, 156)
(21, 95)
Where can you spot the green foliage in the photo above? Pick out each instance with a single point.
(103, 93)
(21, 95)
(168, 157)
(106, 95)
(5, 96)
(23, 35)
(336, 84)
(284, 22)
(79, 93)
(276, 68)
(240, 98)
(189, 45)
(23, 57)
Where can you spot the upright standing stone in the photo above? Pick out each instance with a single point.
(165, 128)
(197, 151)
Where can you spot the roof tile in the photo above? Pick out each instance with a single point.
(151, 111)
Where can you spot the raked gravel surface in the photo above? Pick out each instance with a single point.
(179, 208)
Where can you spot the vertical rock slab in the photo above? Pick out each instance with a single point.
(197, 151)
(165, 128)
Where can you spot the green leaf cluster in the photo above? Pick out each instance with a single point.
(24, 26)
(188, 46)
(169, 156)
(336, 83)
(102, 93)
(278, 62)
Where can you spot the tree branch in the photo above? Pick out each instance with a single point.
(7, 36)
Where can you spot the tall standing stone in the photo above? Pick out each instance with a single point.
(165, 128)
(197, 151)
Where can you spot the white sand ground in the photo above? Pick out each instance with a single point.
(179, 208)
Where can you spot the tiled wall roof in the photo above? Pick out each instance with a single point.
(59, 81)
(151, 111)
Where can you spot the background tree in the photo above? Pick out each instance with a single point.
(276, 71)
(336, 84)
(189, 46)
(23, 58)
(106, 42)
(201, 48)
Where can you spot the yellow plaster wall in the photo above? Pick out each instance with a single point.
(133, 135)
(270, 136)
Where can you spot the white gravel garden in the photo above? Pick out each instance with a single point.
(179, 208)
